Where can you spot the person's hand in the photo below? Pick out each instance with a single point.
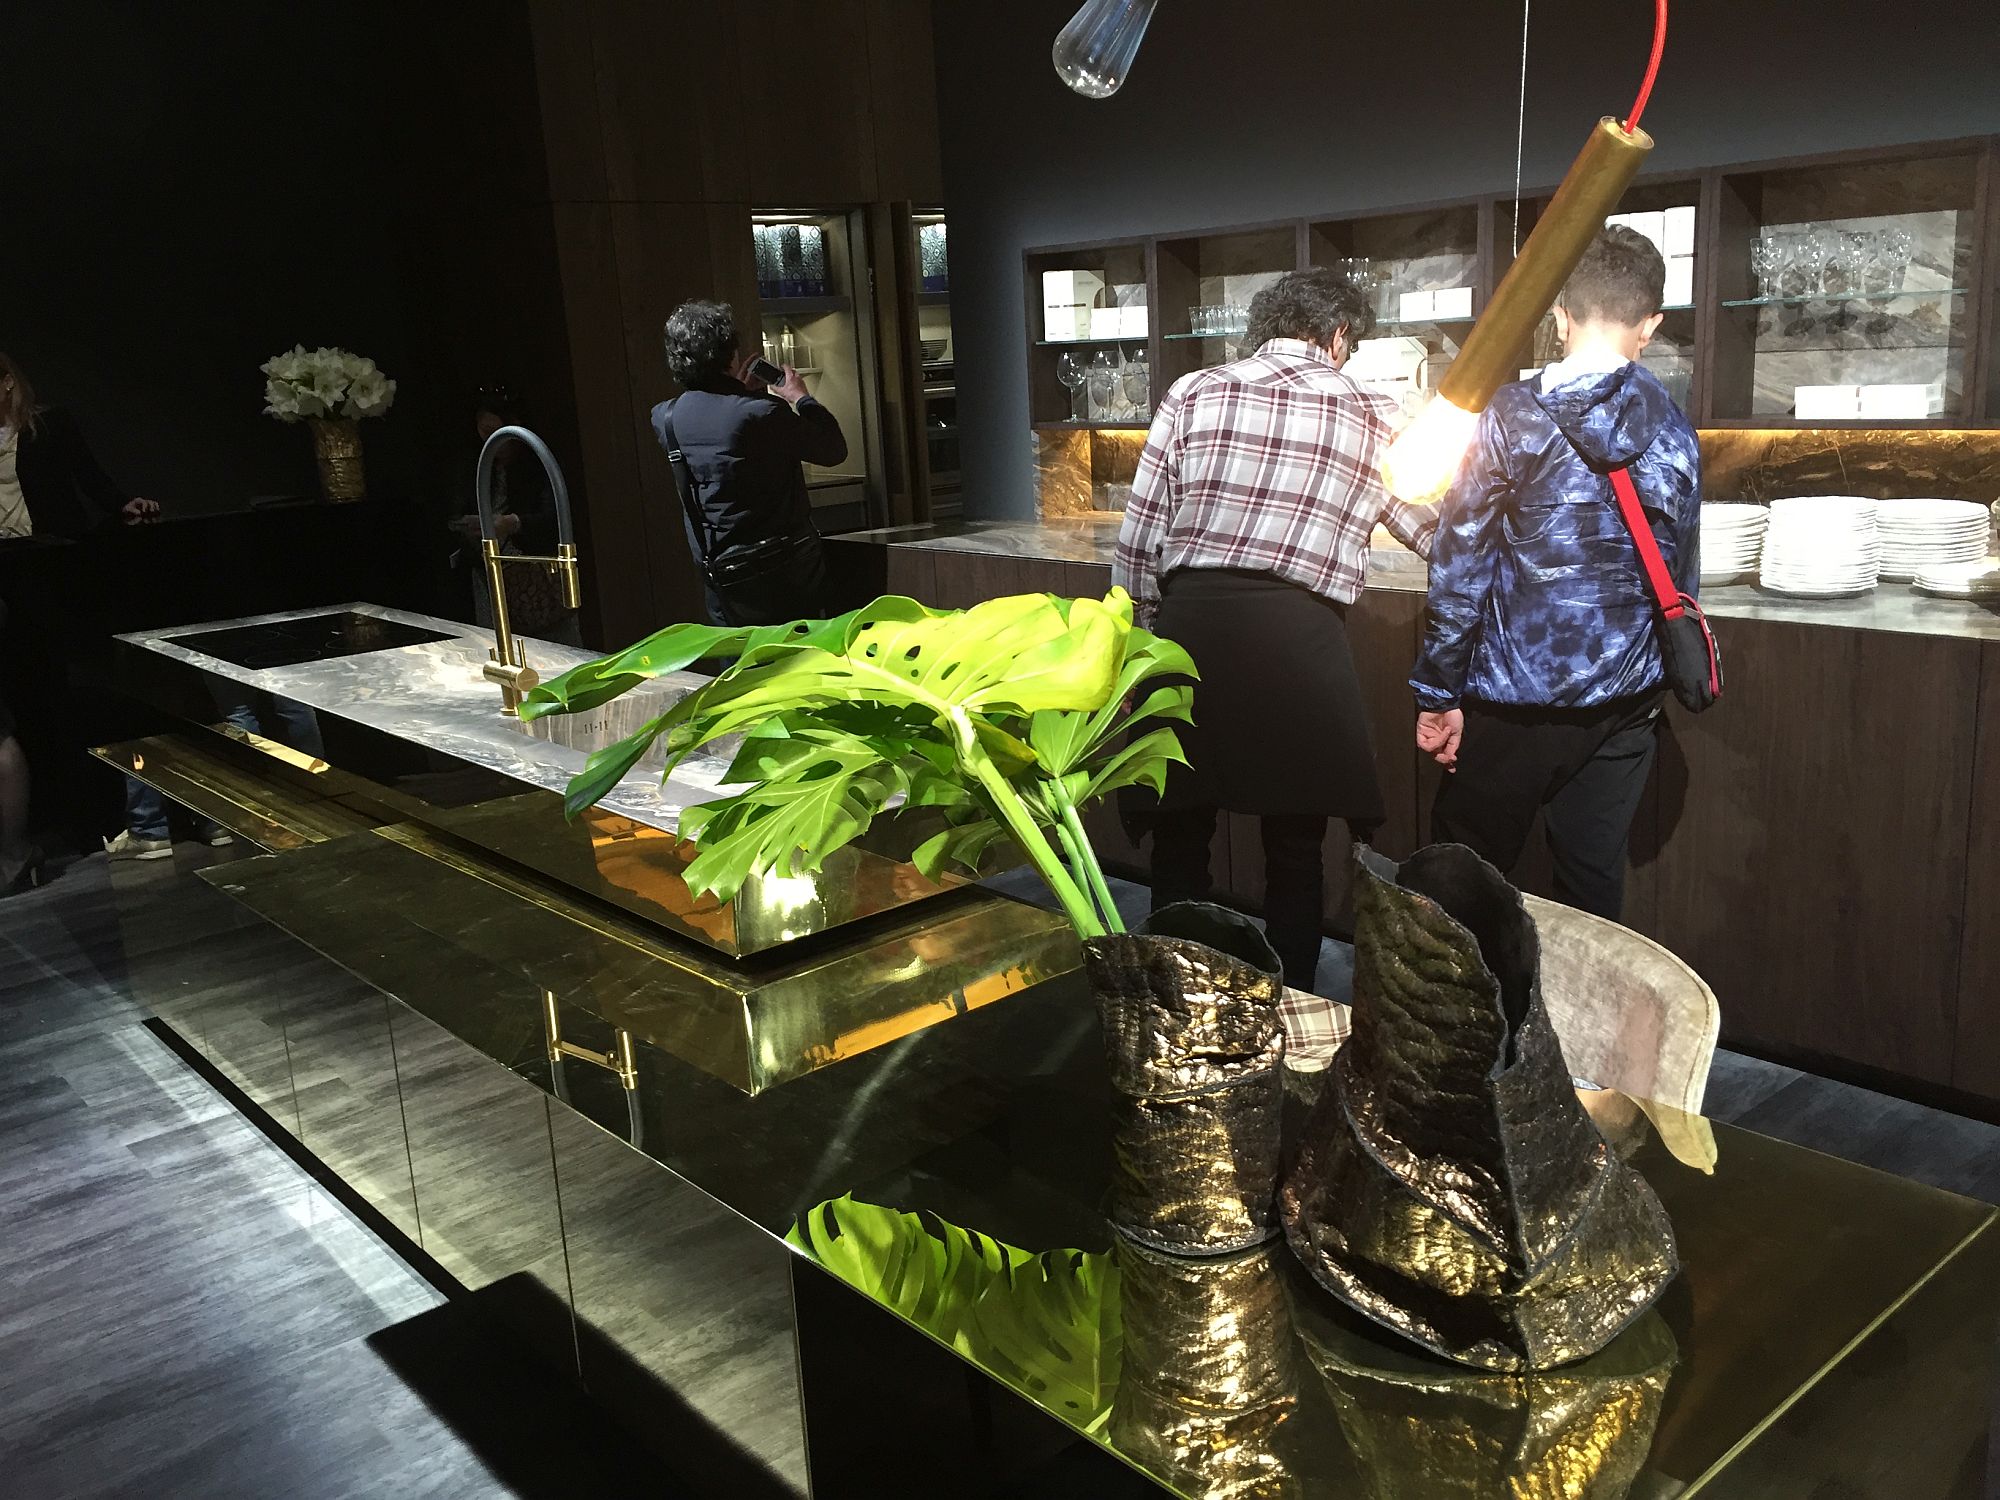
(467, 528)
(1438, 735)
(506, 526)
(792, 388)
(139, 511)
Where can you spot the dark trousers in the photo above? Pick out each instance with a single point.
(1294, 878)
(1584, 770)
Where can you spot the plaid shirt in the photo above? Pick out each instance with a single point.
(1271, 464)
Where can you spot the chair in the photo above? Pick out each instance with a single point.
(1630, 1015)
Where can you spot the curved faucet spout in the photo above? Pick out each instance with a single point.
(508, 667)
(489, 453)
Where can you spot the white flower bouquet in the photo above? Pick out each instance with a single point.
(324, 383)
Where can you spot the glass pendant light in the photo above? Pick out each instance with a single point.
(1093, 54)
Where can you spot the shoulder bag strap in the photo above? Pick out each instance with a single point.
(1665, 595)
(684, 487)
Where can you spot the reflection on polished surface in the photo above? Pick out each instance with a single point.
(1238, 1376)
(753, 1027)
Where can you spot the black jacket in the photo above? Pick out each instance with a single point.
(744, 452)
(68, 495)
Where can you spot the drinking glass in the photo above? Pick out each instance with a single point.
(1767, 259)
(1846, 250)
(1138, 386)
(1358, 269)
(1103, 385)
(1898, 245)
(1805, 266)
(1070, 371)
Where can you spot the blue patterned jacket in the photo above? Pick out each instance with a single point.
(1536, 593)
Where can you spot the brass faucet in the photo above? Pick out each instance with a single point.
(507, 666)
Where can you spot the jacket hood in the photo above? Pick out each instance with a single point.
(1611, 418)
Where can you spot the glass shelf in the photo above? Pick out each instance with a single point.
(1466, 322)
(1206, 335)
(1902, 296)
(1129, 338)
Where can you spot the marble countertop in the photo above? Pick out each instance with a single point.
(1893, 607)
(432, 694)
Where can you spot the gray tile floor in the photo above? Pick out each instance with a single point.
(183, 1311)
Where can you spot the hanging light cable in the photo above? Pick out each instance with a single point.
(1093, 53)
(1421, 461)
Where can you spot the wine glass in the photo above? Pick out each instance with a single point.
(1805, 266)
(1138, 386)
(1767, 259)
(1103, 385)
(1070, 371)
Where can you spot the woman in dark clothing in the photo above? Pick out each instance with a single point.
(50, 485)
(748, 520)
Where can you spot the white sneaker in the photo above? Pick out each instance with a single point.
(218, 837)
(129, 845)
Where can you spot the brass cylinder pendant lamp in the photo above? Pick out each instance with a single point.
(1421, 461)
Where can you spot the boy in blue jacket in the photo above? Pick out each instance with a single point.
(1539, 679)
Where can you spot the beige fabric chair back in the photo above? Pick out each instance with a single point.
(1630, 1015)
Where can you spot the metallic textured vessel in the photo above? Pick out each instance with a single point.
(1449, 1185)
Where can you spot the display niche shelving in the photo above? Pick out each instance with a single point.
(1737, 353)
(808, 269)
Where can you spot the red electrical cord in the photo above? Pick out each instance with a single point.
(1652, 66)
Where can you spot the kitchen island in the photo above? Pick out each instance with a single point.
(1823, 846)
(532, 1093)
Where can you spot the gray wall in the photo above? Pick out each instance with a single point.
(1264, 109)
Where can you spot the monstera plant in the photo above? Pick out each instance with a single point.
(1004, 721)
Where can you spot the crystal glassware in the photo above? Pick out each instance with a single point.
(1357, 269)
(1897, 246)
(1767, 259)
(1070, 371)
(1846, 252)
(1138, 386)
(1103, 385)
(1805, 266)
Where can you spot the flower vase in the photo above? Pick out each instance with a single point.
(1195, 1043)
(337, 447)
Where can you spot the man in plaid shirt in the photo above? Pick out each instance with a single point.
(1245, 540)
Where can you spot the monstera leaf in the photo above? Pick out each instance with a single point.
(1045, 1323)
(1004, 718)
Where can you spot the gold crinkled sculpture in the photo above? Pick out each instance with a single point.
(1448, 1184)
(1194, 1043)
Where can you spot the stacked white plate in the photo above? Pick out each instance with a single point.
(1921, 534)
(1972, 580)
(1821, 547)
(1732, 536)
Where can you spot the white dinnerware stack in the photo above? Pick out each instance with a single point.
(1922, 534)
(1971, 580)
(1822, 547)
(1732, 537)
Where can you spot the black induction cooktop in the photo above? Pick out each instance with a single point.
(286, 643)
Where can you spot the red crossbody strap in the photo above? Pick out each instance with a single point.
(1662, 582)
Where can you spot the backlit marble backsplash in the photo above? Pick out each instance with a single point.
(1881, 463)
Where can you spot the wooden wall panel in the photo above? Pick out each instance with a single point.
(1976, 1062)
(669, 102)
(902, 74)
(619, 593)
(805, 113)
(566, 88)
(1813, 865)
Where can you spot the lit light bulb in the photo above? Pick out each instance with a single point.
(1093, 54)
(1425, 455)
